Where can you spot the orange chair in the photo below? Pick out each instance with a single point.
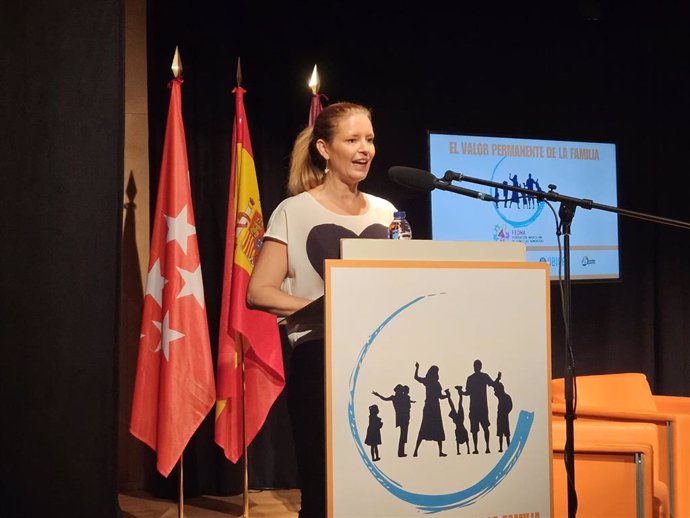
(617, 482)
(613, 478)
(627, 398)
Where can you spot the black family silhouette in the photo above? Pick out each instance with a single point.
(475, 387)
(432, 424)
(458, 417)
(505, 405)
(402, 404)
(431, 427)
(373, 438)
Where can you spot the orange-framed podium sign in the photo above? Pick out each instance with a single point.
(418, 418)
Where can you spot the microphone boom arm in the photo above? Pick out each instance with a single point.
(445, 185)
(552, 195)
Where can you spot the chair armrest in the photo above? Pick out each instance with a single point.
(677, 404)
(612, 413)
(614, 448)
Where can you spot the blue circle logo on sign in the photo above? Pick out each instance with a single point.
(433, 503)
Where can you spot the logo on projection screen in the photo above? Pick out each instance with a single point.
(516, 209)
(426, 501)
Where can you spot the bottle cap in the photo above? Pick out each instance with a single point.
(399, 214)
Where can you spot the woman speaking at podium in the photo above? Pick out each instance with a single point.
(329, 160)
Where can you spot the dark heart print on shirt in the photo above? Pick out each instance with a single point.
(323, 241)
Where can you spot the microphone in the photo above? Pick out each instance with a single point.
(425, 181)
(413, 178)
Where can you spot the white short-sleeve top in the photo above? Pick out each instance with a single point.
(312, 234)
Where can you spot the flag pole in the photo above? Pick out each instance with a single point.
(245, 481)
(245, 492)
(180, 506)
(177, 71)
(170, 513)
(176, 68)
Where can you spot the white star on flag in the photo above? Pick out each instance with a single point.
(155, 282)
(167, 335)
(194, 284)
(179, 230)
(158, 326)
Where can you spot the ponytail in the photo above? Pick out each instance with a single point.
(307, 166)
(304, 173)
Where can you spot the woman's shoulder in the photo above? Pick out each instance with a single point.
(298, 200)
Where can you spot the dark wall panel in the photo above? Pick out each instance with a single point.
(61, 149)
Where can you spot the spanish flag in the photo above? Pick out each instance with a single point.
(246, 334)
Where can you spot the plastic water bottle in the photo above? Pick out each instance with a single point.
(399, 227)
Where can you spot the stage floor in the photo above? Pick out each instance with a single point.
(279, 503)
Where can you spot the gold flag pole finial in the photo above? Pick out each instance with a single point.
(176, 63)
(314, 81)
(238, 75)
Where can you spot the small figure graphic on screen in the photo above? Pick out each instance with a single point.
(402, 405)
(373, 438)
(458, 417)
(525, 198)
(505, 194)
(529, 183)
(515, 197)
(505, 405)
(432, 424)
(475, 387)
(537, 187)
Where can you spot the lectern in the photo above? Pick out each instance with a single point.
(418, 419)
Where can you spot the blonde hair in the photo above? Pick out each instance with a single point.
(306, 163)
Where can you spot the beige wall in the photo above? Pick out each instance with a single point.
(135, 460)
(136, 121)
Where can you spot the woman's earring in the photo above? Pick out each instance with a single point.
(326, 169)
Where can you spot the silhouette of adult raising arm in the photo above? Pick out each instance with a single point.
(402, 405)
(432, 424)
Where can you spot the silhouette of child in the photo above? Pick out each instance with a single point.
(458, 417)
(505, 405)
(402, 405)
(373, 437)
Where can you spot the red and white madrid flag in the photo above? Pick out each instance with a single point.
(174, 388)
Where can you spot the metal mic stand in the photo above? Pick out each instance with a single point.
(566, 214)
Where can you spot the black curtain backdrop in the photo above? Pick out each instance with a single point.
(62, 111)
(578, 71)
